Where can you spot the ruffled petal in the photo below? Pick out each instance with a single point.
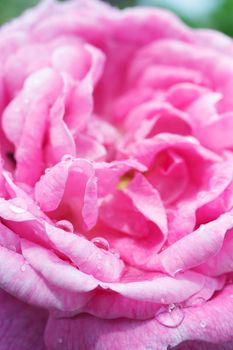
(211, 323)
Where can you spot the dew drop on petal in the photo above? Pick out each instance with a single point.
(65, 225)
(202, 227)
(60, 340)
(47, 170)
(196, 301)
(104, 286)
(178, 271)
(171, 317)
(171, 307)
(23, 268)
(67, 157)
(201, 195)
(203, 324)
(101, 242)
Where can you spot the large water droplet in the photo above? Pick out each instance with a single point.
(65, 225)
(202, 227)
(67, 157)
(171, 317)
(17, 209)
(101, 242)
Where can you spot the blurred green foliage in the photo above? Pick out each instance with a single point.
(12, 8)
(220, 18)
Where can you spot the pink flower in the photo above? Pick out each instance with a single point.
(116, 181)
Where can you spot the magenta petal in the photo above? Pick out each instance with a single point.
(22, 326)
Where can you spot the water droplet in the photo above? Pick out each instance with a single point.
(67, 157)
(203, 324)
(171, 307)
(201, 195)
(101, 242)
(202, 227)
(23, 267)
(47, 170)
(178, 271)
(98, 267)
(99, 256)
(171, 317)
(195, 301)
(17, 210)
(162, 300)
(65, 225)
(60, 340)
(104, 286)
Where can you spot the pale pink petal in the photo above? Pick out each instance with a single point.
(211, 322)
(197, 247)
(69, 191)
(147, 200)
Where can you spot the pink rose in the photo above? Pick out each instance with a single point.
(116, 181)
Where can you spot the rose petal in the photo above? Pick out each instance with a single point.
(211, 322)
(22, 326)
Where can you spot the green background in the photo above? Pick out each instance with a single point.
(221, 17)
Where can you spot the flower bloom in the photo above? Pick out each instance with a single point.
(116, 181)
